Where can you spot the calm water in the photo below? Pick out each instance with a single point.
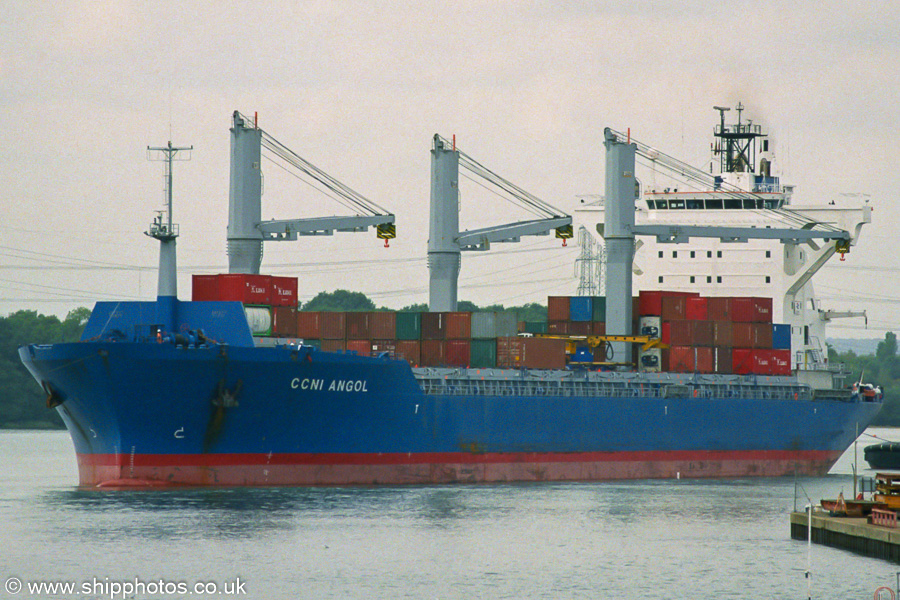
(643, 539)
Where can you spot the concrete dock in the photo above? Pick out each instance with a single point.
(853, 534)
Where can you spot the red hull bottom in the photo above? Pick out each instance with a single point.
(226, 470)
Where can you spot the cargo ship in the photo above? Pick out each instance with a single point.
(238, 388)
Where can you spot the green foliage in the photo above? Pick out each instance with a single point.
(339, 301)
(883, 369)
(22, 402)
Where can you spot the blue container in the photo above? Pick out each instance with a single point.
(781, 337)
(581, 308)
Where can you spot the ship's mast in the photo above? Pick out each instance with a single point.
(163, 229)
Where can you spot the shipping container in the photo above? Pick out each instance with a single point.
(388, 347)
(434, 352)
(410, 351)
(581, 309)
(704, 360)
(558, 327)
(334, 345)
(673, 308)
(665, 332)
(762, 335)
(781, 362)
(334, 326)
(558, 308)
(458, 352)
(434, 327)
(742, 361)
(361, 347)
(409, 325)
(259, 318)
(383, 325)
(533, 327)
(681, 359)
(650, 326)
(722, 358)
(650, 361)
(598, 328)
(600, 353)
(649, 302)
(742, 335)
(533, 353)
(761, 310)
(483, 353)
(703, 333)
(781, 336)
(309, 325)
(314, 343)
(357, 324)
(459, 325)
(235, 287)
(506, 324)
(723, 333)
(763, 362)
(581, 328)
(284, 291)
(681, 333)
(742, 310)
(718, 309)
(484, 326)
(284, 321)
(695, 308)
(598, 306)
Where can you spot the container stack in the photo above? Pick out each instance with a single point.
(712, 335)
(270, 302)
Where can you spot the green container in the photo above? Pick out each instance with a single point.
(483, 354)
(409, 325)
(535, 326)
(599, 310)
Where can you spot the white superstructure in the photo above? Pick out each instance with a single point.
(738, 188)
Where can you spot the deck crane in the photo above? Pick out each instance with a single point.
(619, 228)
(247, 231)
(446, 242)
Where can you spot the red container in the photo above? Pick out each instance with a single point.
(234, 287)
(309, 325)
(763, 363)
(434, 327)
(718, 309)
(742, 361)
(557, 308)
(284, 291)
(334, 326)
(695, 308)
(681, 333)
(580, 328)
(704, 360)
(742, 335)
(534, 353)
(383, 325)
(434, 353)
(761, 310)
(762, 335)
(357, 326)
(703, 333)
(381, 346)
(459, 326)
(598, 328)
(673, 308)
(722, 357)
(681, 359)
(361, 347)
(742, 310)
(665, 332)
(558, 327)
(284, 321)
(781, 360)
(459, 353)
(334, 345)
(410, 351)
(650, 303)
(723, 333)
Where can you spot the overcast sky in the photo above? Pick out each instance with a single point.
(359, 89)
